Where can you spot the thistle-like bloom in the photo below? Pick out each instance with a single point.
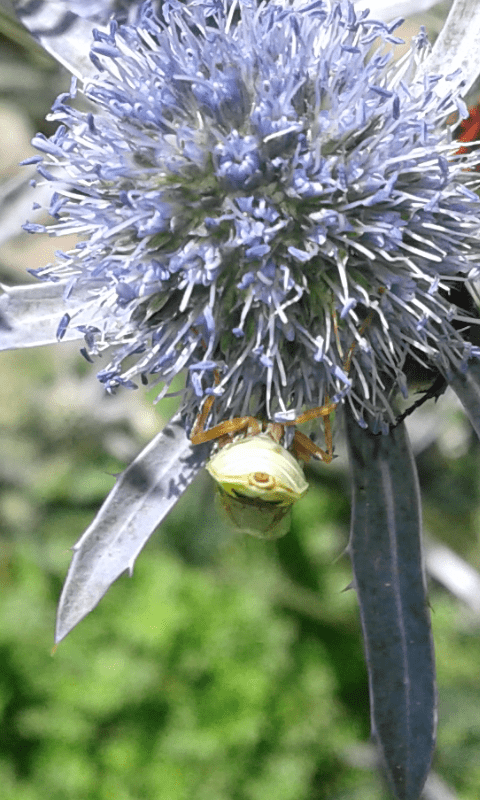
(265, 204)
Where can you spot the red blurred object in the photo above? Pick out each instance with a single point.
(469, 129)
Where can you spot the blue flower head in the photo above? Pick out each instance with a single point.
(266, 203)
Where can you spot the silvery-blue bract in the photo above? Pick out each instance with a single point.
(263, 199)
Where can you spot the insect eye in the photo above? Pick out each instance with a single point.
(262, 477)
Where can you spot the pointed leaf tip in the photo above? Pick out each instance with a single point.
(141, 498)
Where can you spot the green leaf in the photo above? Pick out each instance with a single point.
(385, 549)
(142, 497)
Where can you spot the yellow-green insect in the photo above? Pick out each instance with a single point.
(258, 480)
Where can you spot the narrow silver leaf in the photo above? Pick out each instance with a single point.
(385, 549)
(30, 315)
(61, 32)
(457, 47)
(142, 497)
(453, 572)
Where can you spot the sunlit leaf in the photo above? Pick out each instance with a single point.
(61, 32)
(457, 46)
(30, 315)
(142, 497)
(385, 549)
(453, 572)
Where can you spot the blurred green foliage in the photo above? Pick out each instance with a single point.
(226, 668)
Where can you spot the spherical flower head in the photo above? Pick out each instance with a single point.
(266, 203)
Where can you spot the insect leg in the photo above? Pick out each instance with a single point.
(304, 448)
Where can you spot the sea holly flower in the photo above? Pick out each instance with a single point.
(252, 227)
(268, 206)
